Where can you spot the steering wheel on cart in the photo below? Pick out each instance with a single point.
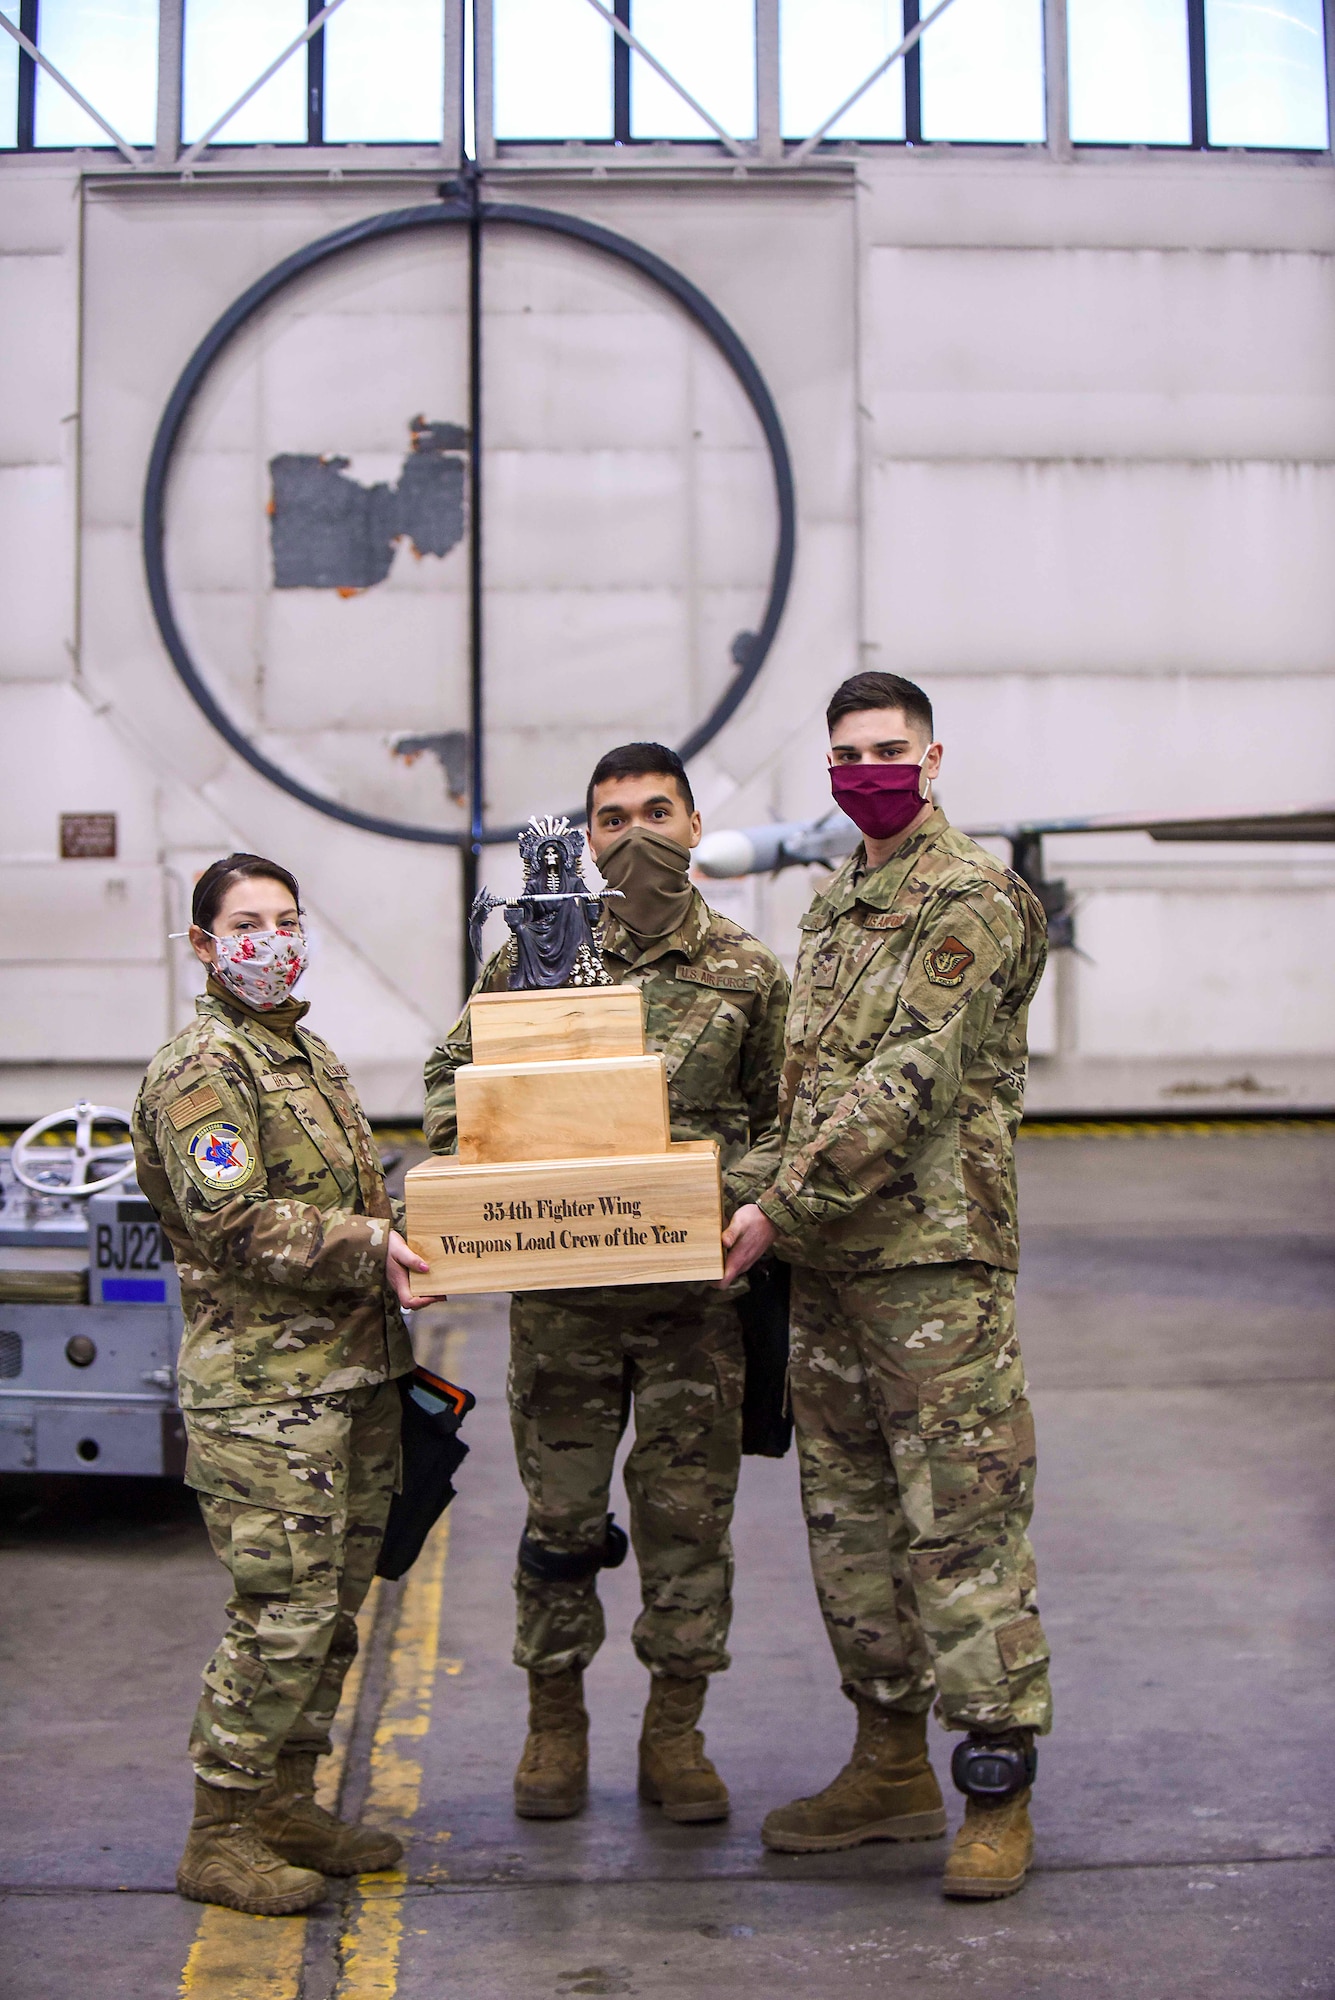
(87, 1167)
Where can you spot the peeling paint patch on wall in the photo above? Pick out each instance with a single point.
(330, 532)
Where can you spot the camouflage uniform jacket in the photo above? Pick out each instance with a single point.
(906, 1062)
(715, 1000)
(281, 1251)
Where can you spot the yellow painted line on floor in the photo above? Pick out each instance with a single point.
(236, 1957)
(1166, 1128)
(369, 1947)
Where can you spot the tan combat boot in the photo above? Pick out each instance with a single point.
(289, 1821)
(993, 1848)
(886, 1791)
(674, 1770)
(226, 1861)
(552, 1780)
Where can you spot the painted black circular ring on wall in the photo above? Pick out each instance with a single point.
(393, 223)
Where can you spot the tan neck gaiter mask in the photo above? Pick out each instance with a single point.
(651, 872)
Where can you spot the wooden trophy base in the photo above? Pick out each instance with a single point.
(566, 1174)
(545, 1225)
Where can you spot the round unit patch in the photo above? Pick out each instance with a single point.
(222, 1156)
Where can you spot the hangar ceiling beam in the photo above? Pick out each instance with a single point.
(31, 49)
(311, 28)
(910, 41)
(619, 28)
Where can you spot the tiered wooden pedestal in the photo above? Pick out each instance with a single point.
(566, 1173)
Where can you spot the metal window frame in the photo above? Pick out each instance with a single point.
(31, 59)
(1198, 83)
(317, 14)
(621, 47)
(768, 148)
(314, 79)
(912, 78)
(30, 26)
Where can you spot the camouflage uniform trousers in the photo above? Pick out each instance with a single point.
(578, 1360)
(916, 1447)
(294, 1496)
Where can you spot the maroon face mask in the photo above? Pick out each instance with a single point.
(880, 799)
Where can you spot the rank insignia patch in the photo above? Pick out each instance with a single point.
(222, 1156)
(946, 963)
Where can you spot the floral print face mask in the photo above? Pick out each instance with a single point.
(260, 967)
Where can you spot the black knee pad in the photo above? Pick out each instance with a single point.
(558, 1566)
(994, 1768)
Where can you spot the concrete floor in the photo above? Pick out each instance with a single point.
(1178, 1324)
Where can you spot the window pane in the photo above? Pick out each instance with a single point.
(826, 48)
(982, 72)
(553, 71)
(228, 43)
(384, 70)
(1129, 77)
(9, 77)
(109, 51)
(1265, 68)
(709, 46)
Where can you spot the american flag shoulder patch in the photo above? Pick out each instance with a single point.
(196, 1104)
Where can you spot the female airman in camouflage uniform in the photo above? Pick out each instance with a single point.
(251, 1145)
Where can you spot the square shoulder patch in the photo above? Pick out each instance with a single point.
(946, 963)
(196, 1104)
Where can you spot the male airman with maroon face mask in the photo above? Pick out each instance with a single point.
(895, 1202)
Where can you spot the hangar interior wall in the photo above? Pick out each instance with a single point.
(1062, 435)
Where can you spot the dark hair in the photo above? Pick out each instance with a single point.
(880, 691)
(219, 876)
(639, 760)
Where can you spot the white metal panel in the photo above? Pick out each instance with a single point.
(389, 661)
(1024, 745)
(557, 376)
(1123, 202)
(96, 1012)
(1079, 567)
(41, 211)
(67, 912)
(595, 519)
(38, 357)
(1207, 974)
(36, 572)
(1101, 354)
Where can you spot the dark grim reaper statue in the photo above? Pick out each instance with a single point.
(551, 920)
